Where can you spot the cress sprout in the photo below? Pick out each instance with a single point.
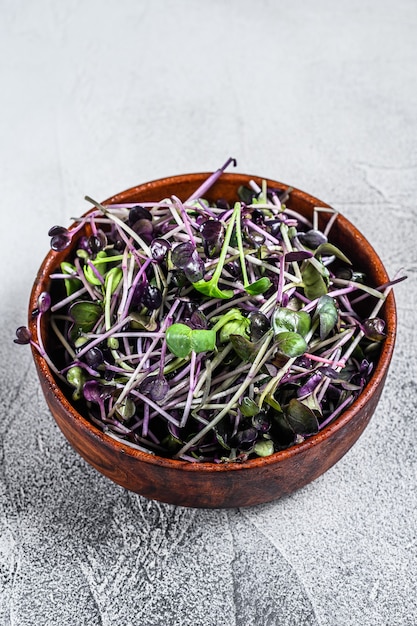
(208, 332)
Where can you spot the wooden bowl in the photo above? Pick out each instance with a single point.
(209, 484)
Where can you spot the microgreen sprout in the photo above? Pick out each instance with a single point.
(208, 332)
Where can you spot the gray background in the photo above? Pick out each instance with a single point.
(100, 96)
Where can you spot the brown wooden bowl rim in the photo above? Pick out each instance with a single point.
(371, 388)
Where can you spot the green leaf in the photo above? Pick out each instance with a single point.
(330, 249)
(314, 284)
(140, 322)
(302, 420)
(312, 403)
(291, 344)
(182, 340)
(171, 443)
(113, 278)
(328, 315)
(285, 319)
(85, 314)
(265, 447)
(259, 286)
(203, 340)
(269, 399)
(75, 333)
(113, 343)
(71, 284)
(245, 194)
(221, 436)
(126, 409)
(210, 289)
(232, 328)
(231, 314)
(304, 323)
(178, 338)
(248, 407)
(76, 378)
(89, 273)
(245, 349)
(236, 327)
(91, 276)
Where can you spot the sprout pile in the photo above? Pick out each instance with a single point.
(208, 332)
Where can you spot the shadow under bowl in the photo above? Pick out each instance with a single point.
(213, 485)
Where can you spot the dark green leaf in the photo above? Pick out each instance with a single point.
(273, 403)
(85, 314)
(283, 432)
(285, 319)
(221, 436)
(312, 403)
(291, 344)
(245, 194)
(330, 249)
(328, 315)
(140, 322)
(172, 443)
(304, 323)
(314, 284)
(245, 349)
(302, 420)
(248, 407)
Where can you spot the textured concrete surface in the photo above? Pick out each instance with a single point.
(98, 96)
